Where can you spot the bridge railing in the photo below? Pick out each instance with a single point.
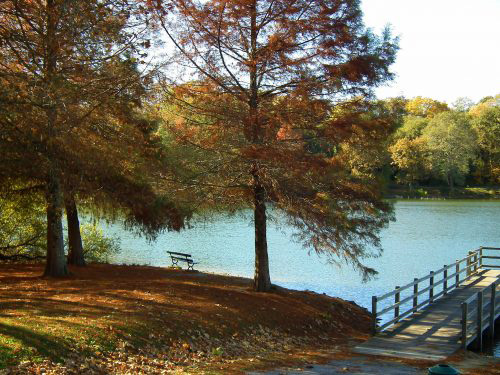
(479, 313)
(437, 284)
(487, 253)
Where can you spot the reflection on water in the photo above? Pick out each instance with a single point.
(425, 236)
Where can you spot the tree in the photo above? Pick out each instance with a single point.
(462, 104)
(69, 84)
(263, 78)
(412, 127)
(425, 107)
(452, 146)
(397, 108)
(409, 156)
(486, 124)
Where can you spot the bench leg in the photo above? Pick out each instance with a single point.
(190, 266)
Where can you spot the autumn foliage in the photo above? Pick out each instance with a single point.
(70, 89)
(258, 106)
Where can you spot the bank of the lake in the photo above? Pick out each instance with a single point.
(426, 235)
(443, 192)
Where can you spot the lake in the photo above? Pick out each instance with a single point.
(426, 235)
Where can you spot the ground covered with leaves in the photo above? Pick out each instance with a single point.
(136, 319)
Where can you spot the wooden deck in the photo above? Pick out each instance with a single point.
(434, 332)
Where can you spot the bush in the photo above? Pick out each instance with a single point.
(96, 246)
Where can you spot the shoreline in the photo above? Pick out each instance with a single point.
(443, 193)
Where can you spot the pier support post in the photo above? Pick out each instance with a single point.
(397, 298)
(431, 287)
(492, 312)
(468, 262)
(415, 294)
(479, 321)
(465, 312)
(374, 315)
(445, 279)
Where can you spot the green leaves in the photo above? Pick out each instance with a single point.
(22, 224)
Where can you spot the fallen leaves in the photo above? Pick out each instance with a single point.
(146, 320)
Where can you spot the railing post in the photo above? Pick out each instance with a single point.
(480, 263)
(431, 288)
(374, 315)
(457, 271)
(479, 321)
(397, 298)
(415, 293)
(445, 279)
(465, 312)
(492, 312)
(469, 264)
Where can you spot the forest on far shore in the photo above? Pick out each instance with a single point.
(440, 146)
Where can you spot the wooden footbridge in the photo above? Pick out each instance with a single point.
(434, 316)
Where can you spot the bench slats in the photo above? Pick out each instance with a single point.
(183, 254)
(175, 257)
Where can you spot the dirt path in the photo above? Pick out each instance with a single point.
(354, 366)
(468, 364)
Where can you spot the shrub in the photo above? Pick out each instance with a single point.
(98, 247)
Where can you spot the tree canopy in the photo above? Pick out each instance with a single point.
(69, 88)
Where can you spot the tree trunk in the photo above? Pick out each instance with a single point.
(450, 182)
(262, 279)
(56, 260)
(75, 247)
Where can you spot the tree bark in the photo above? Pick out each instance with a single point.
(56, 260)
(262, 278)
(75, 246)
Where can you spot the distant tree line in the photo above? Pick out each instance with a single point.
(435, 144)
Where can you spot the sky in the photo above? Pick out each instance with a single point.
(448, 48)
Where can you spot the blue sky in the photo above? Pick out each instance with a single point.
(449, 48)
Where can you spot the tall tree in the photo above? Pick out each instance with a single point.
(68, 74)
(409, 156)
(452, 146)
(266, 75)
(486, 124)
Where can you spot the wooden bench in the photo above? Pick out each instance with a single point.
(182, 257)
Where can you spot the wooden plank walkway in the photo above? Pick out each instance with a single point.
(432, 333)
